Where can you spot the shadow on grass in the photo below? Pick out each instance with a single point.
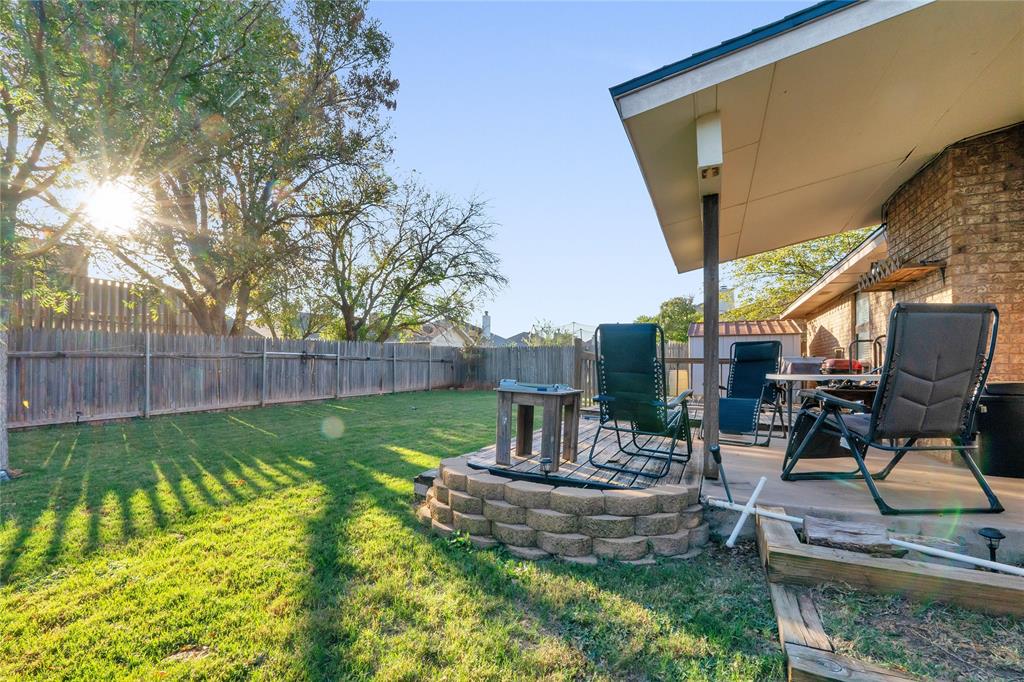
(100, 486)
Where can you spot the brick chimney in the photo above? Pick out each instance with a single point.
(486, 333)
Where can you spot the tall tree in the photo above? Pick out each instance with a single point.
(300, 110)
(675, 316)
(85, 90)
(768, 282)
(393, 258)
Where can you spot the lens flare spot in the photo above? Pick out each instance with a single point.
(332, 428)
(25, 404)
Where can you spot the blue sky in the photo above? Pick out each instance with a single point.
(509, 101)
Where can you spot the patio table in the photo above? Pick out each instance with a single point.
(559, 435)
(816, 377)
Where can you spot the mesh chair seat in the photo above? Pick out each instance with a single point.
(937, 360)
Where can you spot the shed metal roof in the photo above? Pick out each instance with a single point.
(750, 328)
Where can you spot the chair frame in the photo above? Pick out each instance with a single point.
(830, 422)
(774, 405)
(674, 414)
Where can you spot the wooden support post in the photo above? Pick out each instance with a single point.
(577, 364)
(430, 359)
(263, 375)
(711, 368)
(524, 430)
(337, 371)
(146, 381)
(504, 435)
(394, 368)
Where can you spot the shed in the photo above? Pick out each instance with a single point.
(789, 332)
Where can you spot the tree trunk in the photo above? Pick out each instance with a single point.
(6, 291)
(4, 461)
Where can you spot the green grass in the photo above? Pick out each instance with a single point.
(280, 543)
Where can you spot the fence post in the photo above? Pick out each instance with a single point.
(337, 372)
(577, 363)
(263, 375)
(394, 368)
(146, 382)
(430, 360)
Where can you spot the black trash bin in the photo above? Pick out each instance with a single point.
(1001, 430)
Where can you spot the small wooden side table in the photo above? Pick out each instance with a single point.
(559, 436)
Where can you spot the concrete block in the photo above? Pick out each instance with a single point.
(486, 486)
(474, 524)
(528, 553)
(516, 534)
(441, 529)
(439, 511)
(499, 510)
(454, 477)
(564, 544)
(465, 503)
(630, 547)
(551, 521)
(661, 523)
(527, 494)
(699, 536)
(671, 498)
(441, 492)
(691, 553)
(423, 515)
(606, 526)
(579, 501)
(692, 516)
(629, 502)
(671, 544)
(482, 542)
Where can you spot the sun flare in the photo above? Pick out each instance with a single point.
(113, 207)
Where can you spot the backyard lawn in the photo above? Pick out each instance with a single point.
(280, 543)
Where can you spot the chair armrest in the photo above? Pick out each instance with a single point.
(839, 402)
(680, 399)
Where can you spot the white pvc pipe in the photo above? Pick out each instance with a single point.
(760, 512)
(923, 549)
(731, 542)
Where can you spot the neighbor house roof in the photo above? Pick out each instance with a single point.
(750, 328)
(842, 277)
(823, 115)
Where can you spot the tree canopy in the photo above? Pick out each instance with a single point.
(766, 283)
(675, 316)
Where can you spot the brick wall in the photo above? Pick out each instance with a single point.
(830, 327)
(965, 208)
(987, 241)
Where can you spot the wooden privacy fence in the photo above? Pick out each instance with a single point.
(60, 376)
(106, 305)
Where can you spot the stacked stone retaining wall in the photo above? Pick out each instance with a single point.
(538, 521)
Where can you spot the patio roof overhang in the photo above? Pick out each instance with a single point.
(823, 115)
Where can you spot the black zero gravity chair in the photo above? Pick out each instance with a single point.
(633, 401)
(747, 392)
(936, 363)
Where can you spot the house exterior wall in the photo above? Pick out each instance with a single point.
(965, 208)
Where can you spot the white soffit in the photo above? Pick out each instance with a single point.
(816, 135)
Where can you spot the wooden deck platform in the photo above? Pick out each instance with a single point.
(584, 474)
